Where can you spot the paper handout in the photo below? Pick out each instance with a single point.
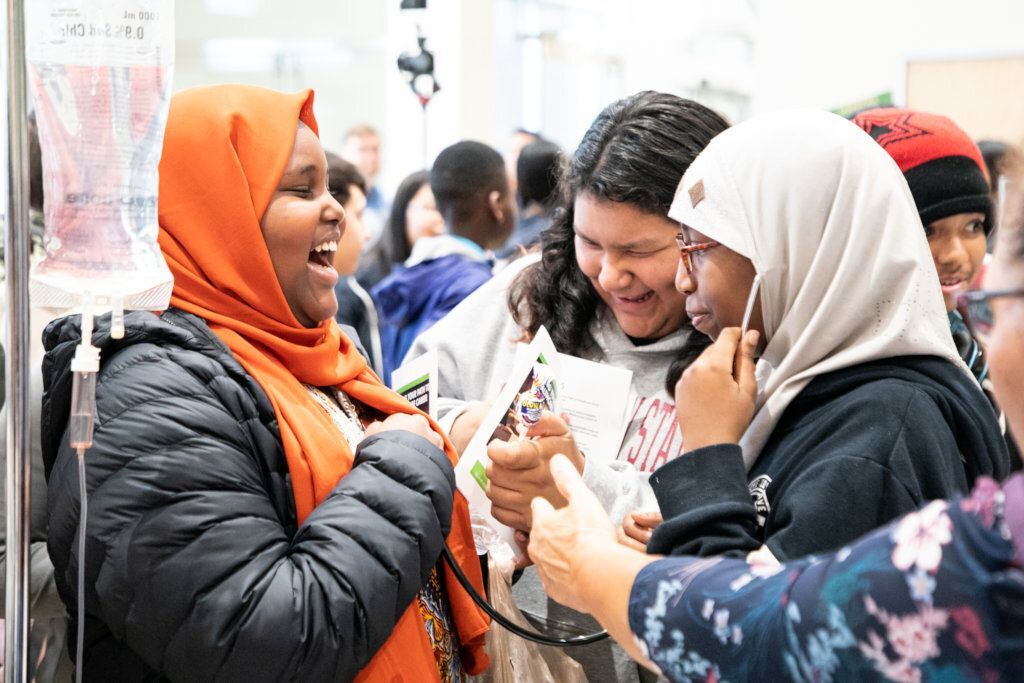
(416, 381)
(532, 387)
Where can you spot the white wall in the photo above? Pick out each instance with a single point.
(553, 64)
(336, 48)
(825, 54)
(346, 50)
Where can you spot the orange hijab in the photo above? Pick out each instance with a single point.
(225, 150)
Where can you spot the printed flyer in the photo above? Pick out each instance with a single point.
(532, 387)
(416, 381)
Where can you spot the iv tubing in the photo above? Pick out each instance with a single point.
(84, 366)
(84, 514)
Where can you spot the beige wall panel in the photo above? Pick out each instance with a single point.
(984, 96)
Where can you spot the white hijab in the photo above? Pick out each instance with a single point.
(829, 223)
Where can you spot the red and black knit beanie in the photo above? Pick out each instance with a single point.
(941, 163)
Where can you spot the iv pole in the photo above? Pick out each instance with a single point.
(17, 370)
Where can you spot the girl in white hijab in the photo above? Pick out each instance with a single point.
(858, 408)
(939, 593)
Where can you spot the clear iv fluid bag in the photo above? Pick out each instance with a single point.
(100, 76)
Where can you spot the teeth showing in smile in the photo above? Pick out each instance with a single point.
(326, 246)
(322, 255)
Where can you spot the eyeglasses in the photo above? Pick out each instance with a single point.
(687, 250)
(975, 308)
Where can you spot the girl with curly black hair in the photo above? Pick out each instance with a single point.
(603, 286)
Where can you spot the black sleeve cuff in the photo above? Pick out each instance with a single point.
(714, 474)
(706, 505)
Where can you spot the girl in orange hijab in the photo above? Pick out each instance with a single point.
(261, 506)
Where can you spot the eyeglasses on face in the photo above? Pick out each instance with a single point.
(687, 250)
(983, 296)
(975, 307)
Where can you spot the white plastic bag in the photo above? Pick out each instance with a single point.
(513, 659)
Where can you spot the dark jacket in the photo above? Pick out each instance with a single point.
(374, 265)
(413, 298)
(357, 311)
(525, 236)
(857, 448)
(195, 567)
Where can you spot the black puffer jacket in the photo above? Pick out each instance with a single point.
(195, 569)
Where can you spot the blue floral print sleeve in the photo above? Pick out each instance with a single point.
(932, 597)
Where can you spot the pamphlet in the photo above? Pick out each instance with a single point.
(532, 387)
(596, 398)
(416, 381)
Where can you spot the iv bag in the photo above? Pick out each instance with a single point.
(100, 76)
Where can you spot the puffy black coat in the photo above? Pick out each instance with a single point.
(195, 567)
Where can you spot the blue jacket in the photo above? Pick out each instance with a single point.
(412, 298)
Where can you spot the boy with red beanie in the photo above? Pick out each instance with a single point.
(949, 181)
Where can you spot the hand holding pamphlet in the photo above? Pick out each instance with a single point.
(532, 387)
(594, 397)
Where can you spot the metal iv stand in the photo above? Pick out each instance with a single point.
(17, 366)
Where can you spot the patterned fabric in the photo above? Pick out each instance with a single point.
(433, 601)
(343, 413)
(931, 597)
(942, 164)
(968, 347)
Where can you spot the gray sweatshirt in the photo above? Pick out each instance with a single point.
(475, 345)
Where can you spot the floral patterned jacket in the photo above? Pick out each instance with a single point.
(937, 595)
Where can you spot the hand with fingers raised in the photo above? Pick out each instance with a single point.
(519, 470)
(564, 538)
(717, 394)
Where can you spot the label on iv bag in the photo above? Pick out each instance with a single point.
(100, 76)
(101, 32)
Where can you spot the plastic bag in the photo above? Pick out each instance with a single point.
(513, 659)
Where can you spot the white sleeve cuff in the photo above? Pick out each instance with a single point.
(620, 487)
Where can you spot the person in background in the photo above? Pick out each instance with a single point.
(361, 147)
(937, 595)
(603, 286)
(998, 158)
(356, 309)
(948, 178)
(519, 139)
(413, 215)
(537, 170)
(472, 194)
(260, 506)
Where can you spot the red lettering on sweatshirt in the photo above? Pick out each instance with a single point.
(653, 437)
(665, 439)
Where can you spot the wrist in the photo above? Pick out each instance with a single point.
(589, 566)
(702, 439)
